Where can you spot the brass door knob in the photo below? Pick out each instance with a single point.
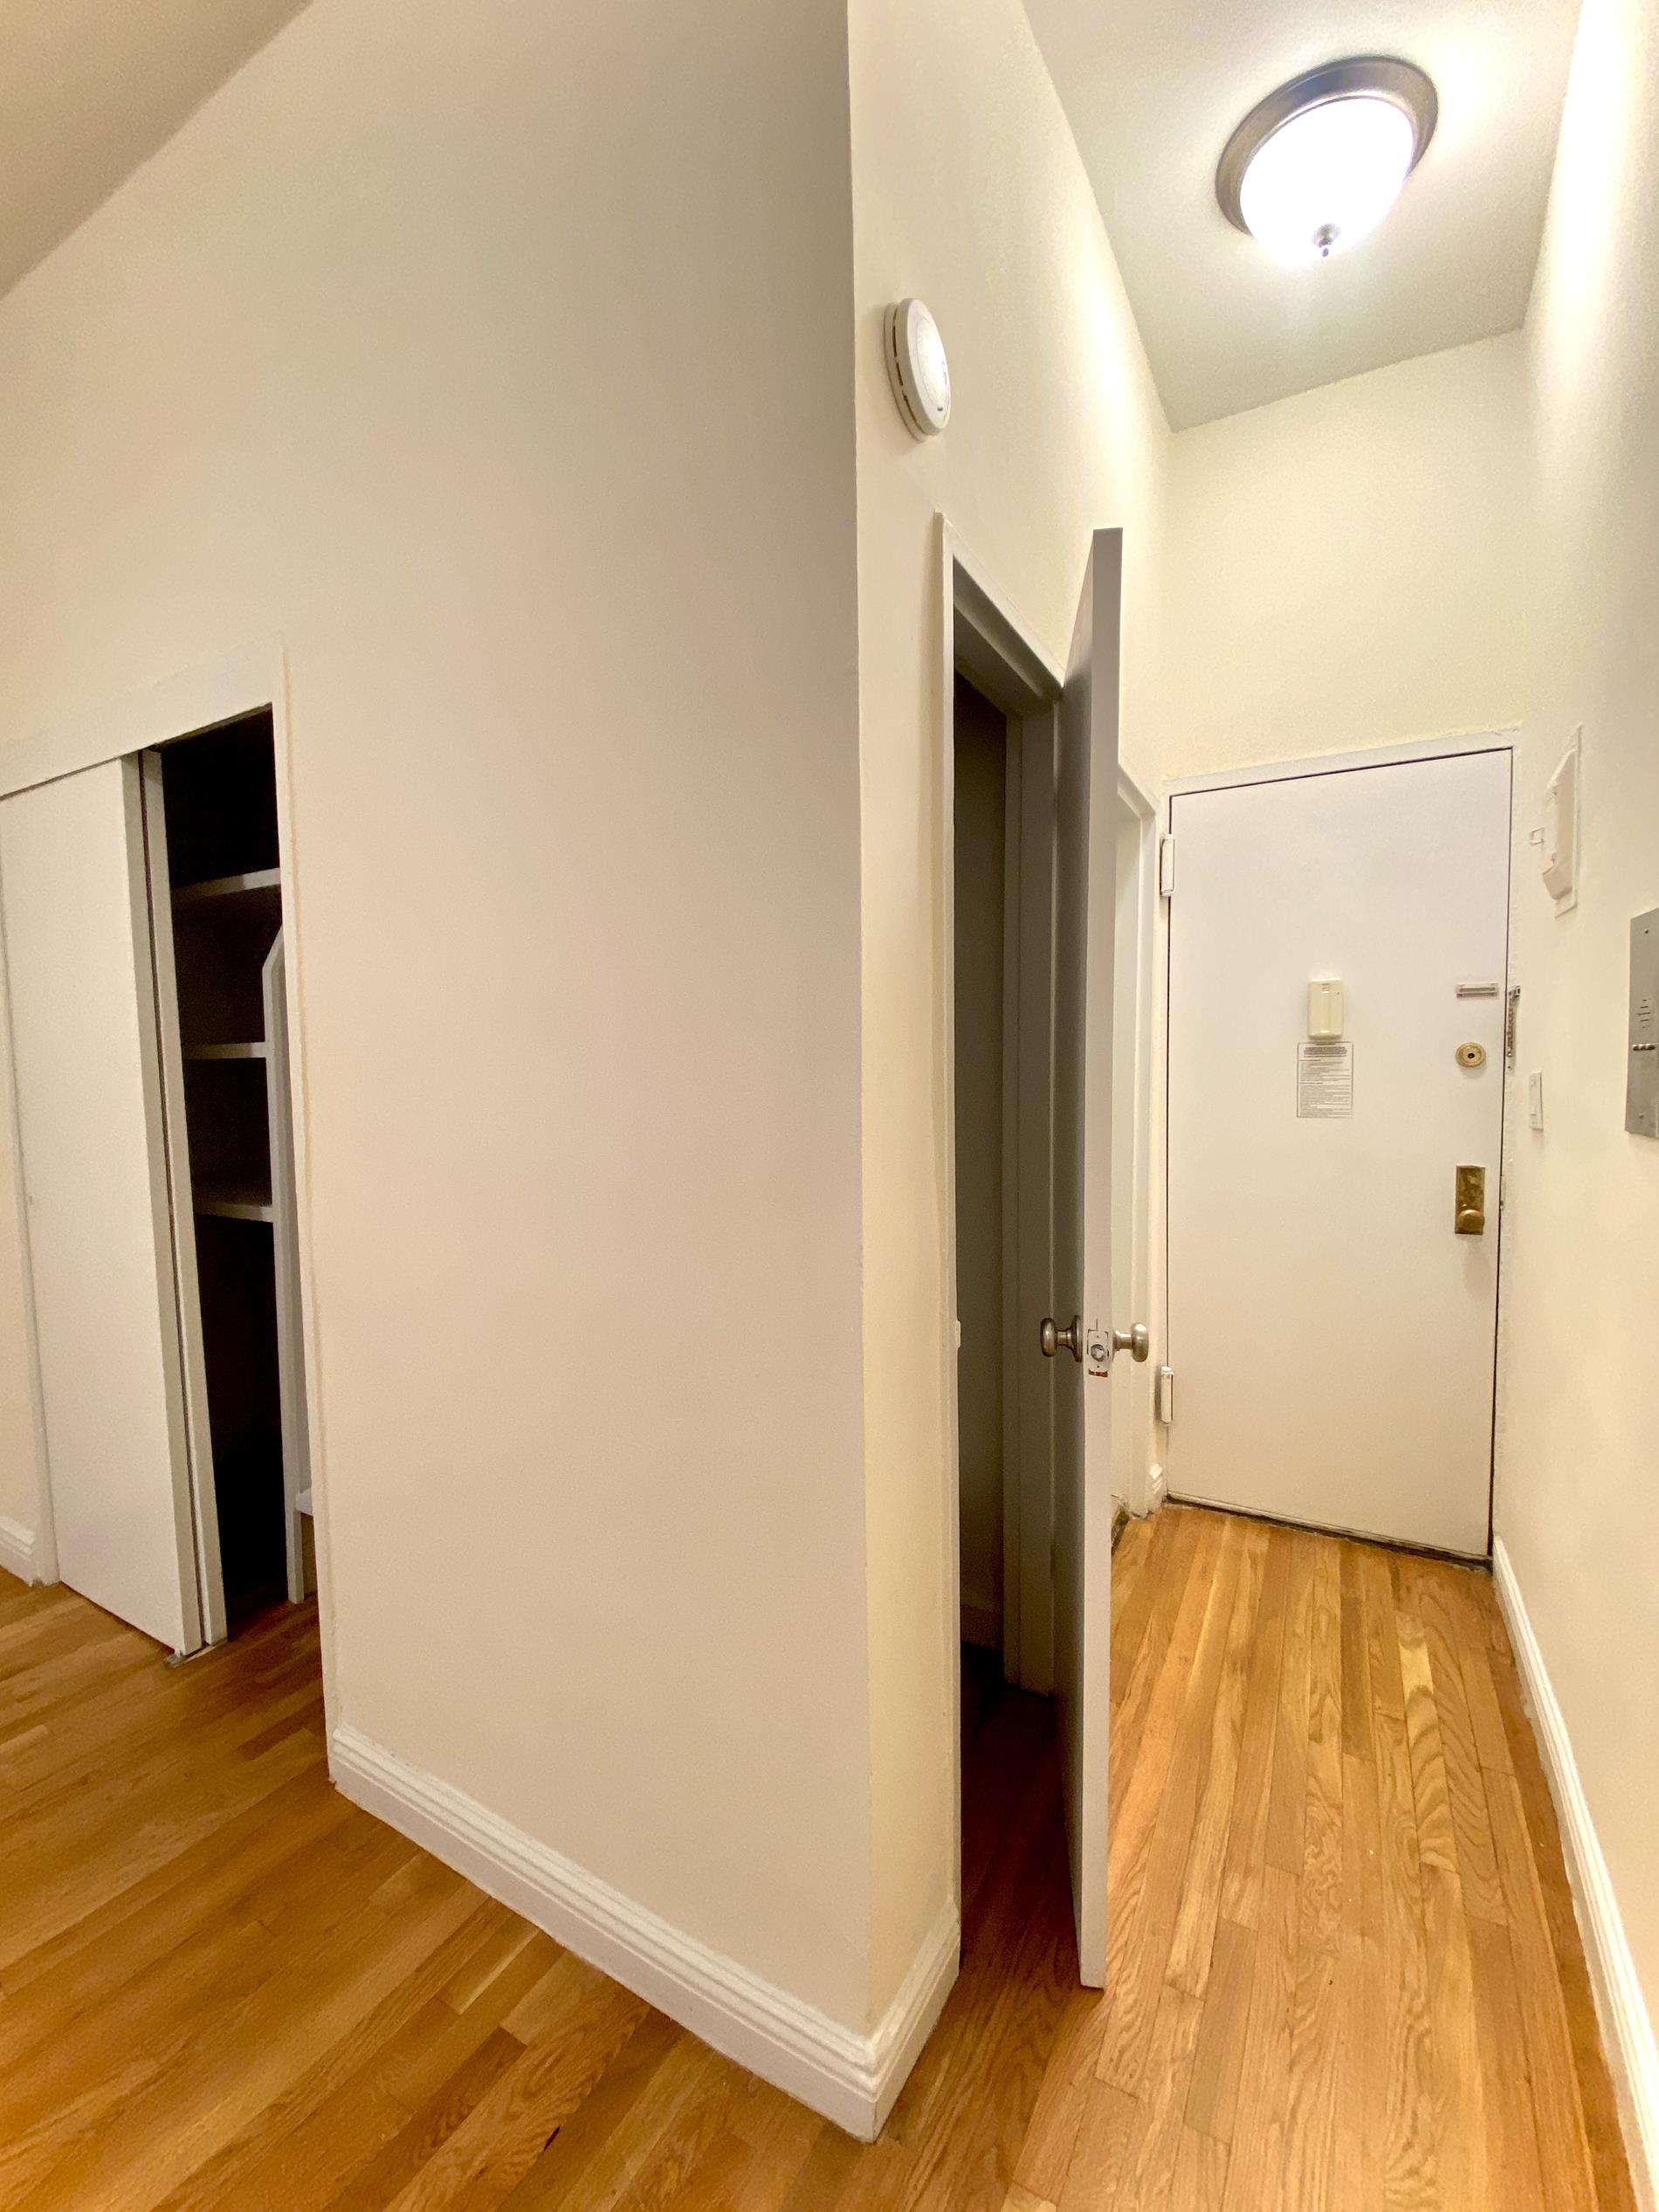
(1469, 1202)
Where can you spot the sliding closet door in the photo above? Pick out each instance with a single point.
(74, 903)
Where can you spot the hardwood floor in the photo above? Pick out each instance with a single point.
(1345, 1968)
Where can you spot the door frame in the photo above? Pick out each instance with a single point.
(251, 680)
(982, 639)
(1503, 738)
(985, 640)
(1140, 1295)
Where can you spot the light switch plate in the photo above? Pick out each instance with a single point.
(1324, 1007)
(1641, 1083)
(1535, 1100)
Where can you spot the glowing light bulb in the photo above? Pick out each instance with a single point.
(1327, 176)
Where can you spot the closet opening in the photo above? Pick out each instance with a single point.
(1001, 834)
(983, 1198)
(1000, 1081)
(216, 920)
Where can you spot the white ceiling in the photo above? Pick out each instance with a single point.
(1154, 88)
(90, 88)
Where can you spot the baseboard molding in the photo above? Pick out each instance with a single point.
(850, 2078)
(17, 1548)
(1626, 2029)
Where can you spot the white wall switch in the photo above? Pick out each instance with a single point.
(1324, 1008)
(1535, 1100)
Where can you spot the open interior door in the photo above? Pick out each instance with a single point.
(1079, 1336)
(75, 895)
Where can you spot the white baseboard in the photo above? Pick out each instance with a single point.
(850, 2078)
(1626, 2029)
(17, 1548)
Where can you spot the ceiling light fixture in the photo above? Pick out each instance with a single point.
(1317, 164)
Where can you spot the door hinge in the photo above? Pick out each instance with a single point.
(1167, 1396)
(1167, 867)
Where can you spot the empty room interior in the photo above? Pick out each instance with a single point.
(736, 744)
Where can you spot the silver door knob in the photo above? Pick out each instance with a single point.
(1105, 1344)
(1054, 1339)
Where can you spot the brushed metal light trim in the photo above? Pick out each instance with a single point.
(1381, 76)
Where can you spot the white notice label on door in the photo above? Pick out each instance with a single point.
(1324, 1082)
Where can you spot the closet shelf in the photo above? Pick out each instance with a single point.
(235, 1205)
(224, 1051)
(254, 882)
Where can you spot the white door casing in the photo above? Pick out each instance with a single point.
(1132, 1021)
(1333, 1337)
(290, 1356)
(74, 895)
(1086, 908)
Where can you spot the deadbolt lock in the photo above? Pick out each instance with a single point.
(1469, 1203)
(1471, 1056)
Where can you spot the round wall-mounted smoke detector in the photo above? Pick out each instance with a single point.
(920, 374)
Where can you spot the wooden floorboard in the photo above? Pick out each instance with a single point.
(1345, 1971)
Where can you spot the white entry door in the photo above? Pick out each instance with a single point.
(74, 899)
(1078, 1334)
(1333, 1288)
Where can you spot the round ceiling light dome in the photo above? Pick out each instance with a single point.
(1316, 166)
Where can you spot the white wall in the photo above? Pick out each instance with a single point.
(1578, 1488)
(968, 191)
(499, 359)
(1344, 566)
